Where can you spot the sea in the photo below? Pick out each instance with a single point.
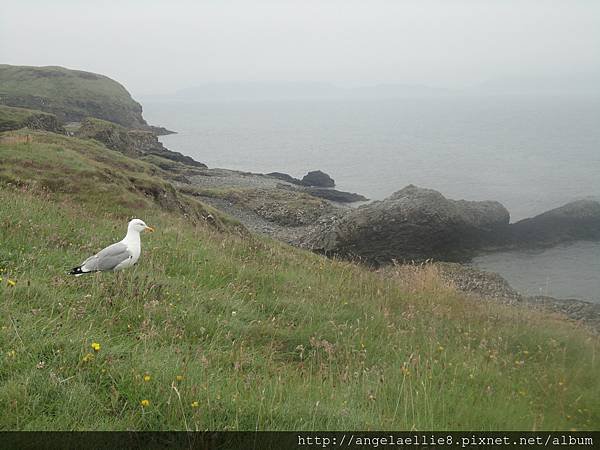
(529, 152)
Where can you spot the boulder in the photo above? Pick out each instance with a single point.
(578, 220)
(413, 224)
(319, 179)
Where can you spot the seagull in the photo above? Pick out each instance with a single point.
(117, 256)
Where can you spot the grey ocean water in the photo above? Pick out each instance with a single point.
(531, 153)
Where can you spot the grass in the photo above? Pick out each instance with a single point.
(86, 171)
(261, 335)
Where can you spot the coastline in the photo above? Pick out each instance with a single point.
(209, 186)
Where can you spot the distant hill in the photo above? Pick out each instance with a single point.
(545, 84)
(71, 95)
(274, 91)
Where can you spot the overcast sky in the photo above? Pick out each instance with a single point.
(161, 46)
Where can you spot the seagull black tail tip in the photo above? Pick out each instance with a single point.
(76, 271)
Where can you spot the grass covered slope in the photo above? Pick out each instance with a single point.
(71, 95)
(86, 171)
(217, 330)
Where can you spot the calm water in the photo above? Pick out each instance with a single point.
(529, 153)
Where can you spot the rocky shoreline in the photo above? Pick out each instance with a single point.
(491, 286)
(263, 203)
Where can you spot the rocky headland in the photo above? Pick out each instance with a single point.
(138, 143)
(71, 95)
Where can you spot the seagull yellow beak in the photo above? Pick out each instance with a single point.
(150, 229)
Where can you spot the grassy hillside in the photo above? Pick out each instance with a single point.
(216, 329)
(71, 95)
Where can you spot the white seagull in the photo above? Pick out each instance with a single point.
(118, 256)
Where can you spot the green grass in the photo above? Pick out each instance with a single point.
(70, 94)
(86, 171)
(264, 336)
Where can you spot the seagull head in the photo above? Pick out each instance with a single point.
(138, 226)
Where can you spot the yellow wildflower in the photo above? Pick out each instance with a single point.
(11, 282)
(195, 404)
(96, 346)
(147, 378)
(145, 403)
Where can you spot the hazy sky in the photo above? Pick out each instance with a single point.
(161, 46)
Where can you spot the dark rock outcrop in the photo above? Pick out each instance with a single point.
(318, 178)
(578, 220)
(160, 131)
(46, 122)
(334, 195)
(413, 224)
(326, 193)
(130, 142)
